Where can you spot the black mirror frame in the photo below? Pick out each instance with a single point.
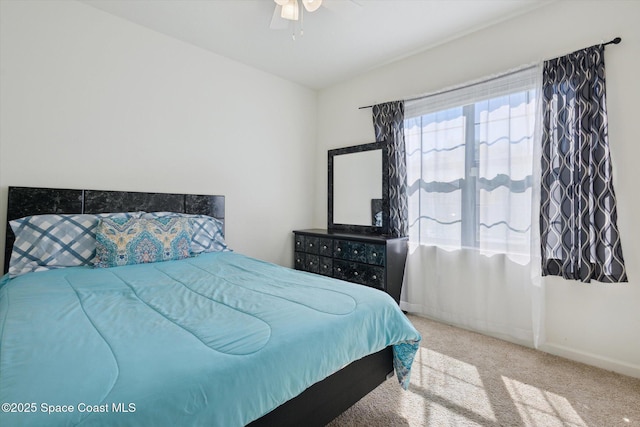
(353, 228)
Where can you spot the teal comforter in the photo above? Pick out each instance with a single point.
(216, 340)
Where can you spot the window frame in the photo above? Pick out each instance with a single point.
(514, 84)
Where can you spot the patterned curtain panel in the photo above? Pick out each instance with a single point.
(388, 124)
(579, 234)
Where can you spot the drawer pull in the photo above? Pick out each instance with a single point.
(355, 251)
(339, 250)
(374, 277)
(310, 245)
(355, 274)
(375, 254)
(339, 269)
(310, 262)
(324, 247)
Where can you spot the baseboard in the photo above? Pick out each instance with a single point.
(629, 369)
(624, 368)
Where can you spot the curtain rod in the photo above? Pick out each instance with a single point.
(616, 40)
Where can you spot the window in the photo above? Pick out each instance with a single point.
(470, 165)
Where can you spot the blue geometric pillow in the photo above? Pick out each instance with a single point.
(207, 235)
(207, 231)
(45, 242)
(138, 241)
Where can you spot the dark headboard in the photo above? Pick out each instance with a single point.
(25, 201)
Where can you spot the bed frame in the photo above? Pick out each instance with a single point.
(317, 405)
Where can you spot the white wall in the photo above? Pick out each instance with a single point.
(88, 100)
(595, 323)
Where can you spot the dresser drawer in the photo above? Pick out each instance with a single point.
(325, 266)
(298, 260)
(308, 244)
(325, 247)
(363, 274)
(314, 245)
(342, 270)
(350, 250)
(375, 254)
(374, 277)
(312, 263)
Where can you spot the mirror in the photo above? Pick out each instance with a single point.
(358, 189)
(357, 179)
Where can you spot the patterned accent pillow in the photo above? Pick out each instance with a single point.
(45, 242)
(140, 240)
(208, 235)
(207, 231)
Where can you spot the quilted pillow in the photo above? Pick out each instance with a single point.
(45, 242)
(207, 231)
(142, 240)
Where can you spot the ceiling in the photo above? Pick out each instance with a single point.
(341, 40)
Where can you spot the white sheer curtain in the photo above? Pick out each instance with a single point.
(473, 168)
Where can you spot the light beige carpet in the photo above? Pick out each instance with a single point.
(461, 378)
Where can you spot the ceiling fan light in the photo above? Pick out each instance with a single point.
(290, 10)
(311, 5)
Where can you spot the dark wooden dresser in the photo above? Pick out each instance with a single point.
(370, 260)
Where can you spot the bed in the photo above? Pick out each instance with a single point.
(217, 339)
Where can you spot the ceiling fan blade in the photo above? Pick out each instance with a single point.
(277, 21)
